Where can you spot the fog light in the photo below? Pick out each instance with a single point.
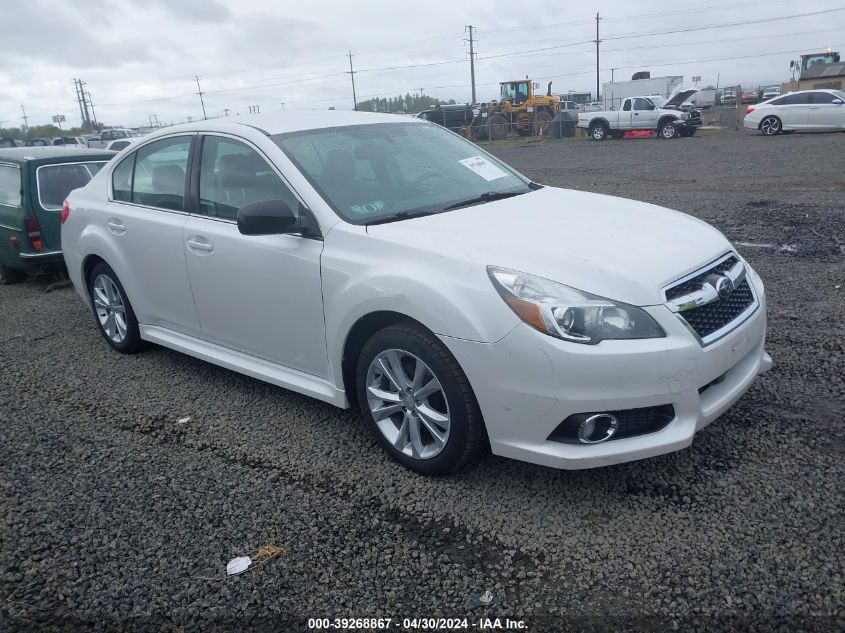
(597, 428)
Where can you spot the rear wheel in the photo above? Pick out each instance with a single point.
(598, 131)
(668, 130)
(417, 400)
(770, 126)
(498, 127)
(10, 275)
(112, 310)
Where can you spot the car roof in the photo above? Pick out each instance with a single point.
(283, 122)
(51, 153)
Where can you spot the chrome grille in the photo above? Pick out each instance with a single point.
(709, 318)
(714, 300)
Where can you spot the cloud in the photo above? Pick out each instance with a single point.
(195, 10)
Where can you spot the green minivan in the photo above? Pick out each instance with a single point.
(34, 182)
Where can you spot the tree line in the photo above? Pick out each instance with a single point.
(399, 104)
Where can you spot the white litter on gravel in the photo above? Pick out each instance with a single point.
(184, 420)
(238, 565)
(754, 245)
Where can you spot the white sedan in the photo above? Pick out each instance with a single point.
(388, 264)
(809, 110)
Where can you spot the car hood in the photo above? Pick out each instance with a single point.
(614, 247)
(678, 99)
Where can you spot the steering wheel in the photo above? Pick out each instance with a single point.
(434, 176)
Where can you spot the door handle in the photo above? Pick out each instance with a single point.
(198, 244)
(116, 226)
(636, 114)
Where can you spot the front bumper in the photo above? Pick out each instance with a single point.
(528, 382)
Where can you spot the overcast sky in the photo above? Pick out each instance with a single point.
(139, 57)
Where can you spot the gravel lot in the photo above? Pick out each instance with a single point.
(113, 514)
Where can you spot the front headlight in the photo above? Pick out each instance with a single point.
(570, 314)
(685, 115)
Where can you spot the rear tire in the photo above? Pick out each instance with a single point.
(112, 311)
(417, 400)
(598, 131)
(10, 276)
(770, 126)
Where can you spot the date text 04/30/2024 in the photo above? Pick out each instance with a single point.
(422, 624)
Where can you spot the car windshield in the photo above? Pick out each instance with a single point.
(55, 182)
(378, 172)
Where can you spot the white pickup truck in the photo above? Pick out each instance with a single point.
(640, 113)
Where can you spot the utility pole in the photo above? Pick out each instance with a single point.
(79, 101)
(199, 92)
(352, 75)
(25, 121)
(93, 114)
(87, 118)
(471, 60)
(598, 41)
(283, 105)
(226, 111)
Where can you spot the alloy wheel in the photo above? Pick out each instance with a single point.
(110, 308)
(770, 126)
(408, 404)
(598, 133)
(668, 131)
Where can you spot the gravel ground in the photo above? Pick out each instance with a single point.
(116, 515)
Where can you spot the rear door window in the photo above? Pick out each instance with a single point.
(823, 97)
(796, 99)
(160, 169)
(55, 182)
(10, 186)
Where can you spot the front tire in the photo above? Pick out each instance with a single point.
(770, 126)
(498, 126)
(669, 130)
(417, 401)
(112, 311)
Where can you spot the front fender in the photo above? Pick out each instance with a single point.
(450, 297)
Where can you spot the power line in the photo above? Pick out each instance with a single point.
(725, 25)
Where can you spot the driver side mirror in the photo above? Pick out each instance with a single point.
(837, 102)
(275, 217)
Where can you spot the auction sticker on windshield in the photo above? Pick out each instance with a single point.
(483, 167)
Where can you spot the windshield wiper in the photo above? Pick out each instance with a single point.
(487, 196)
(402, 215)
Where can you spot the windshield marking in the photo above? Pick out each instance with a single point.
(483, 168)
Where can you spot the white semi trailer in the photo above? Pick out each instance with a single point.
(614, 93)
